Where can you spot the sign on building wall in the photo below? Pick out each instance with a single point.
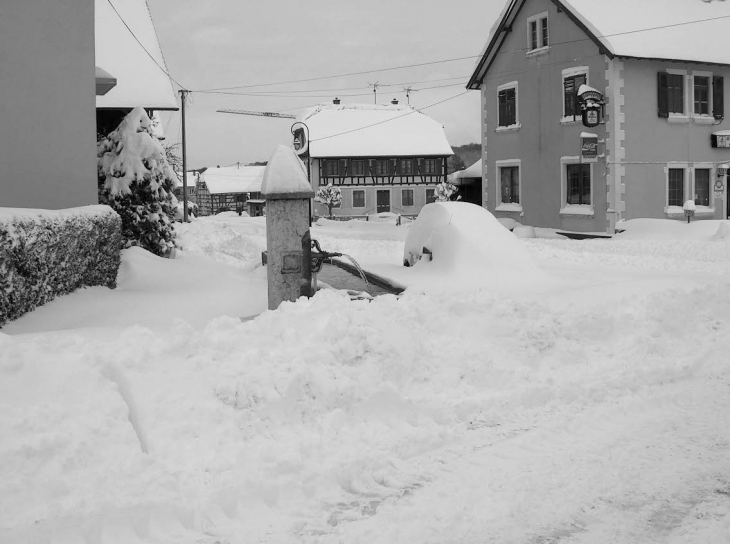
(588, 147)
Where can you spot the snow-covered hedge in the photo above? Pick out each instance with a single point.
(45, 253)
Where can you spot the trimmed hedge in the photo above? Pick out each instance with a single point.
(44, 254)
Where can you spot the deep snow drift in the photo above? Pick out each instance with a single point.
(588, 408)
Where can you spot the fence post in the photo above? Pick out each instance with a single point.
(288, 193)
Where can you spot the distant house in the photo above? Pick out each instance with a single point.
(192, 180)
(48, 82)
(661, 137)
(231, 188)
(140, 78)
(385, 158)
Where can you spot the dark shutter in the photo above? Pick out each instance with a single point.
(718, 97)
(502, 97)
(343, 168)
(439, 166)
(663, 94)
(391, 166)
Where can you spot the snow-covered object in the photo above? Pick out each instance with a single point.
(232, 179)
(136, 180)
(467, 246)
(524, 231)
(285, 174)
(474, 171)
(136, 66)
(445, 191)
(369, 130)
(689, 206)
(329, 195)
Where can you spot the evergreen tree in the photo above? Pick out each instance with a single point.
(136, 180)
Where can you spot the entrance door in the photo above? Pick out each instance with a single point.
(383, 201)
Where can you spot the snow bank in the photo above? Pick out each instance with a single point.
(668, 229)
(468, 247)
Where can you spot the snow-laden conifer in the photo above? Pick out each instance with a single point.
(136, 180)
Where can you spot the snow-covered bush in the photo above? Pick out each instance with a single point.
(446, 192)
(136, 180)
(331, 196)
(44, 254)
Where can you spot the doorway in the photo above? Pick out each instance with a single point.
(383, 201)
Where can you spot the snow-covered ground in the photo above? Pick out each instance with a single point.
(584, 402)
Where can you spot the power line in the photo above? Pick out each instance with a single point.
(391, 119)
(143, 47)
(342, 75)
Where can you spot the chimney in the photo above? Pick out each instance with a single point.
(394, 101)
(336, 101)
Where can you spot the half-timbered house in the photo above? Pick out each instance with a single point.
(385, 158)
(231, 188)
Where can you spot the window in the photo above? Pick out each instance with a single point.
(331, 168)
(406, 167)
(358, 198)
(675, 88)
(430, 166)
(510, 183)
(406, 197)
(430, 196)
(358, 168)
(701, 95)
(381, 167)
(537, 32)
(676, 187)
(578, 177)
(507, 98)
(702, 186)
(572, 80)
(672, 96)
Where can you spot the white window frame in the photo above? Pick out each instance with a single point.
(704, 210)
(676, 210)
(516, 125)
(688, 93)
(570, 72)
(413, 194)
(573, 210)
(701, 119)
(508, 206)
(364, 199)
(541, 48)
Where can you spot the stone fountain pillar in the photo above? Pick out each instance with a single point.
(288, 244)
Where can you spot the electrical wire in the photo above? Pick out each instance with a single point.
(143, 47)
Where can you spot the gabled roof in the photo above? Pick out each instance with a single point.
(474, 171)
(369, 130)
(140, 82)
(681, 30)
(232, 179)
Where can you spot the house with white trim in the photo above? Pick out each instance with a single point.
(384, 158)
(662, 135)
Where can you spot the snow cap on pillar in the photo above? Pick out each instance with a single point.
(285, 177)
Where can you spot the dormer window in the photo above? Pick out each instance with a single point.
(537, 33)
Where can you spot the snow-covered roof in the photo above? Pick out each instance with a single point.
(232, 179)
(683, 30)
(140, 82)
(192, 178)
(474, 171)
(369, 130)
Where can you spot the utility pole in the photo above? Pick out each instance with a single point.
(183, 92)
(375, 91)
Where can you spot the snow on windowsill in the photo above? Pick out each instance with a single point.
(582, 210)
(674, 212)
(509, 207)
(678, 118)
(537, 52)
(570, 120)
(703, 119)
(510, 128)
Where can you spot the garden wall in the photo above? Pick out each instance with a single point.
(44, 254)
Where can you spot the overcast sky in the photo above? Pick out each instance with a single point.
(214, 44)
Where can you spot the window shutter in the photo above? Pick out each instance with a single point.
(663, 94)
(439, 166)
(419, 167)
(502, 98)
(718, 97)
(343, 168)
